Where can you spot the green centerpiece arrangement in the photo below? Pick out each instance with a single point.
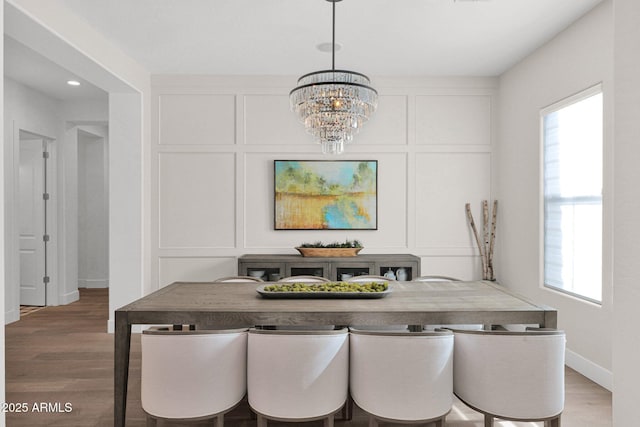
(328, 287)
(337, 249)
(328, 290)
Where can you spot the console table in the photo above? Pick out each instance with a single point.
(274, 267)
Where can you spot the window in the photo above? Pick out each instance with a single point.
(572, 181)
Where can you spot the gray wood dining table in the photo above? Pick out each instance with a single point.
(236, 304)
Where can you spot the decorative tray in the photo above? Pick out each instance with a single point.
(328, 252)
(333, 290)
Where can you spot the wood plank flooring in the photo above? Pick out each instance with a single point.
(59, 362)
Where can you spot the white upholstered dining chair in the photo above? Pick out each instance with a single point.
(364, 278)
(297, 376)
(304, 279)
(511, 375)
(403, 377)
(239, 279)
(192, 375)
(435, 279)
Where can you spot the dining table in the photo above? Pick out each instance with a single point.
(207, 304)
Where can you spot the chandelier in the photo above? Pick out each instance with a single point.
(333, 104)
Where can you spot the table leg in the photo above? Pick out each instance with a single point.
(550, 319)
(347, 409)
(121, 368)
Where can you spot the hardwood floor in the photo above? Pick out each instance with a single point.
(59, 362)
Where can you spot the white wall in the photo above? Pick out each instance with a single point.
(214, 140)
(626, 195)
(576, 59)
(127, 262)
(87, 112)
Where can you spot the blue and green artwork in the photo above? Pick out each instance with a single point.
(332, 195)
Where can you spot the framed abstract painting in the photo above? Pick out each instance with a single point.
(326, 194)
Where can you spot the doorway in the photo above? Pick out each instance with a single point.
(93, 207)
(33, 198)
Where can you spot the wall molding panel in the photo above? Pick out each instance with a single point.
(453, 119)
(201, 119)
(194, 269)
(196, 207)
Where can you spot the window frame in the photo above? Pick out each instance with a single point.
(556, 106)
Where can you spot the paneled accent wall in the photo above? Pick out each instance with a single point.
(196, 198)
(214, 141)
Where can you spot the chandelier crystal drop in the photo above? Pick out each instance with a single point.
(333, 104)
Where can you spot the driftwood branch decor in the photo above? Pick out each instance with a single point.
(487, 243)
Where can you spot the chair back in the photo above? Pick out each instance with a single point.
(304, 279)
(435, 279)
(517, 375)
(192, 374)
(297, 374)
(403, 376)
(369, 278)
(238, 279)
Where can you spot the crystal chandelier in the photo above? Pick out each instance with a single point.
(333, 104)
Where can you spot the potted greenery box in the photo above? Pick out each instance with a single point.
(318, 249)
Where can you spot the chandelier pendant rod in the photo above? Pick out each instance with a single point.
(333, 37)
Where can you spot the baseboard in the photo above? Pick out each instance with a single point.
(595, 373)
(11, 316)
(72, 296)
(93, 283)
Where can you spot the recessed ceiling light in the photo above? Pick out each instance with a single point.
(326, 47)
(73, 83)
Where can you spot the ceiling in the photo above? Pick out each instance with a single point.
(35, 71)
(279, 37)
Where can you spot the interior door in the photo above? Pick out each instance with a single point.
(32, 221)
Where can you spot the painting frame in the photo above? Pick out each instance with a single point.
(325, 194)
